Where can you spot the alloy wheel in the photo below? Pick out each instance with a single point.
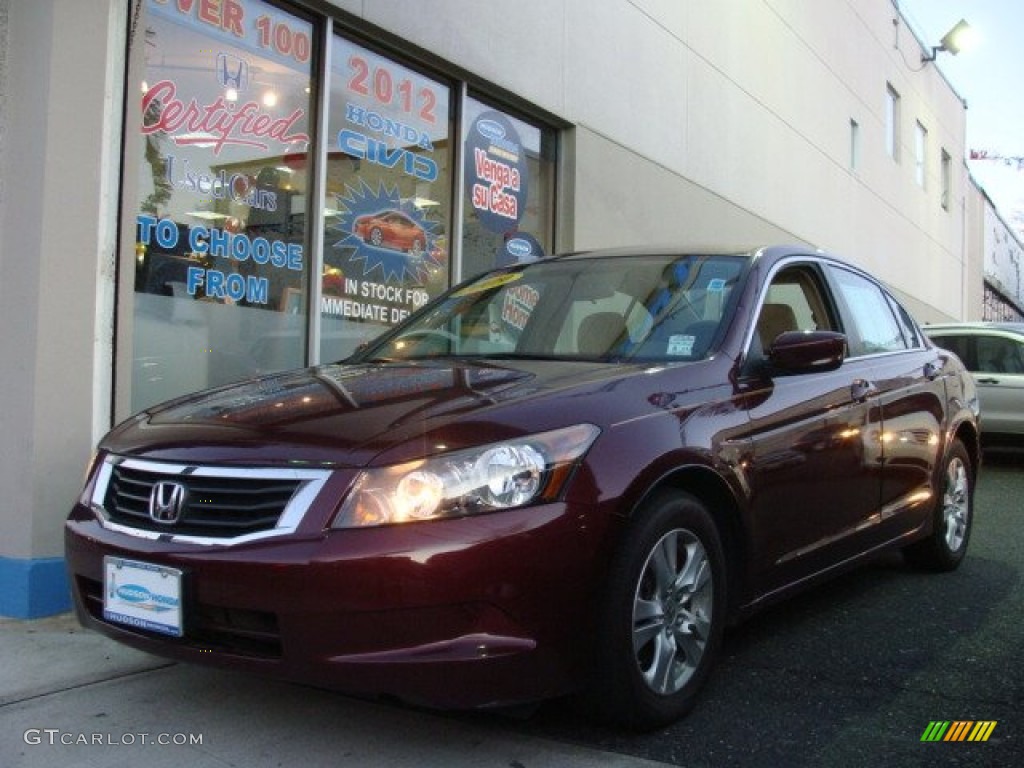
(956, 504)
(672, 611)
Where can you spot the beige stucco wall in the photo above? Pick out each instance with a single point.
(61, 95)
(745, 101)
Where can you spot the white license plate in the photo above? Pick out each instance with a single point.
(142, 595)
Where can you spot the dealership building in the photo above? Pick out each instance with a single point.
(199, 191)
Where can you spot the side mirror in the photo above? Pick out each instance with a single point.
(807, 351)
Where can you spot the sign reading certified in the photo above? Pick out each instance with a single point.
(496, 174)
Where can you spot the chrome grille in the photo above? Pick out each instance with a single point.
(220, 503)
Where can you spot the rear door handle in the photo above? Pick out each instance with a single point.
(988, 380)
(862, 389)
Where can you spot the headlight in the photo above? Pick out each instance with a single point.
(492, 477)
(89, 481)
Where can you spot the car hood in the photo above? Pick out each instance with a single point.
(355, 415)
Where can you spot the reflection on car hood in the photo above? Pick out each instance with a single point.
(346, 415)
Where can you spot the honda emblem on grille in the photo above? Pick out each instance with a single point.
(166, 502)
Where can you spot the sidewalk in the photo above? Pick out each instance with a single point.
(71, 697)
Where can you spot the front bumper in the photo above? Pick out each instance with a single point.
(472, 612)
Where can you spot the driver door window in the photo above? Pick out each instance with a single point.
(794, 301)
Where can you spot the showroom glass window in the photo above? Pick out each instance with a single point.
(215, 207)
(387, 196)
(229, 267)
(509, 189)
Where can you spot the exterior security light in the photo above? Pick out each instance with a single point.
(954, 41)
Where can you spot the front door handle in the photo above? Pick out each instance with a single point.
(988, 380)
(862, 389)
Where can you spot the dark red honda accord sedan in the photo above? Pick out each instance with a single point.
(566, 476)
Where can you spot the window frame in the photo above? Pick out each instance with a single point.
(855, 148)
(920, 154)
(892, 122)
(945, 178)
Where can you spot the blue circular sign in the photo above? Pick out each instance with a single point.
(495, 172)
(519, 248)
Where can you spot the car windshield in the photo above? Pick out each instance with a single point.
(612, 309)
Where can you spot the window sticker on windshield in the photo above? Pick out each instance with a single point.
(518, 305)
(680, 345)
(489, 284)
(717, 285)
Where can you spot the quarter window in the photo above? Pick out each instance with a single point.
(910, 333)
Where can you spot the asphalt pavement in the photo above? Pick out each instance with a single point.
(853, 672)
(849, 674)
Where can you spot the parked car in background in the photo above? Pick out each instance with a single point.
(994, 353)
(391, 229)
(562, 476)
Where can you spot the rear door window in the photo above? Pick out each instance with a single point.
(998, 354)
(876, 328)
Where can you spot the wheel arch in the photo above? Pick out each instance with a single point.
(967, 433)
(714, 491)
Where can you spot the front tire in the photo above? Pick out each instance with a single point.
(946, 545)
(663, 616)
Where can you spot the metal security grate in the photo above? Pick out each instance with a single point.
(215, 506)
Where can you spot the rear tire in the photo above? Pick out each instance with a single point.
(663, 615)
(946, 545)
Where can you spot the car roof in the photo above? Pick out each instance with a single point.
(765, 254)
(980, 326)
(691, 249)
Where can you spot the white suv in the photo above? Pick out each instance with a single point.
(994, 353)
